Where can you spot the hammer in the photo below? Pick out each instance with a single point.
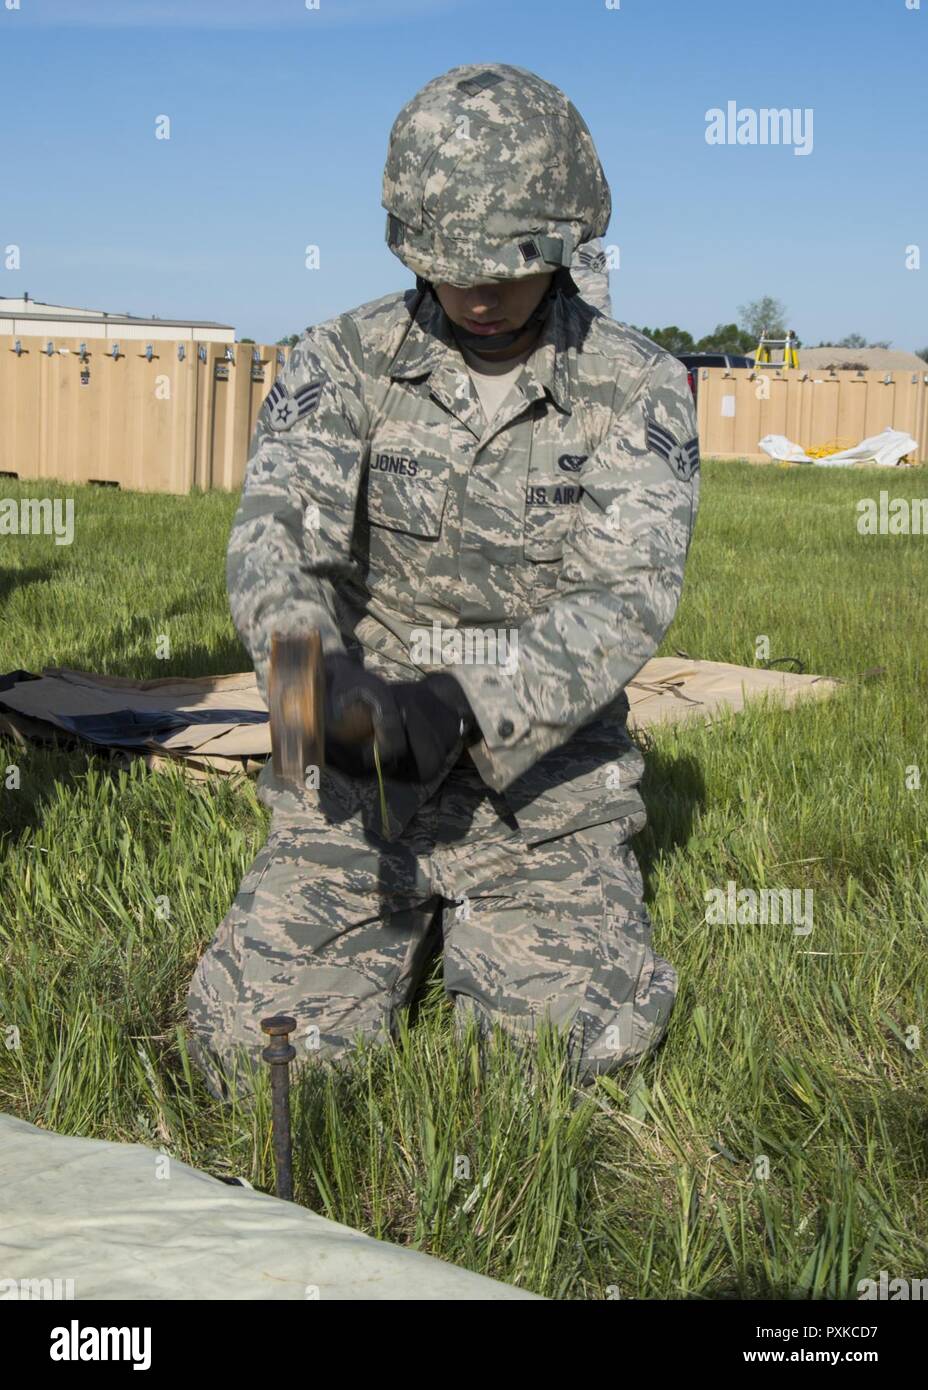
(296, 701)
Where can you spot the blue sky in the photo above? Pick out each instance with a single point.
(279, 122)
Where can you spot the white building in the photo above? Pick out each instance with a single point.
(24, 318)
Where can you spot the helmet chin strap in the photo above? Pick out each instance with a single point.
(494, 341)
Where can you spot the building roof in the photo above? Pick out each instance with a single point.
(870, 359)
(36, 309)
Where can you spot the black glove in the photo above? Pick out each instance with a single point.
(438, 720)
(347, 684)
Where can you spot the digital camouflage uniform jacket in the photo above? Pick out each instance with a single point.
(378, 501)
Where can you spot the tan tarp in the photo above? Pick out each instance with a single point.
(222, 744)
(113, 1221)
(673, 689)
(667, 690)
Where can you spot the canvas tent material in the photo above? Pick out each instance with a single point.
(222, 719)
(123, 1222)
(220, 722)
(675, 690)
(885, 449)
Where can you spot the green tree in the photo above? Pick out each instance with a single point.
(764, 314)
(857, 340)
(672, 339)
(922, 353)
(727, 337)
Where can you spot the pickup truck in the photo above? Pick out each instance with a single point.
(692, 361)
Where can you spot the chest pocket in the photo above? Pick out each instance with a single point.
(405, 491)
(549, 510)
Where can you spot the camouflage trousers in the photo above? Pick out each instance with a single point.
(335, 926)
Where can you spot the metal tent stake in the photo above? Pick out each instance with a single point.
(279, 1054)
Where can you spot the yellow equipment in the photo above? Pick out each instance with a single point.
(787, 346)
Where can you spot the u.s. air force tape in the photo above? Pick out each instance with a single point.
(683, 458)
(285, 407)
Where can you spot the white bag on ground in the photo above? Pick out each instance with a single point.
(885, 449)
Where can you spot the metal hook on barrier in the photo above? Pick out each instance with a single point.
(230, 354)
(181, 352)
(82, 352)
(50, 349)
(201, 353)
(149, 352)
(18, 348)
(115, 353)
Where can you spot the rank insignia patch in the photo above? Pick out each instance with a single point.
(285, 408)
(591, 260)
(683, 458)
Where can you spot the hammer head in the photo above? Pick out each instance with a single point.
(296, 701)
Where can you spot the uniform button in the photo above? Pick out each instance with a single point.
(505, 727)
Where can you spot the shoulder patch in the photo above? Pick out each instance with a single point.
(588, 259)
(285, 407)
(683, 458)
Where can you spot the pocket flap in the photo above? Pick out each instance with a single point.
(409, 501)
(543, 538)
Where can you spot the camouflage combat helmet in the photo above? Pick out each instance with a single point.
(491, 174)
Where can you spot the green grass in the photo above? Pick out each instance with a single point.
(649, 1184)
